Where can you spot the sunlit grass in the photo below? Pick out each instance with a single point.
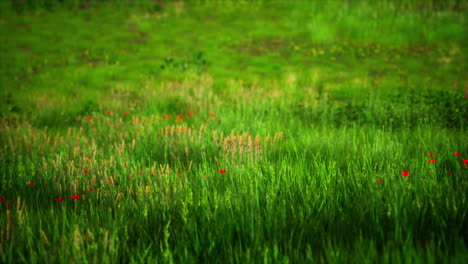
(242, 131)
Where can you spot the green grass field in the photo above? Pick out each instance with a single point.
(233, 131)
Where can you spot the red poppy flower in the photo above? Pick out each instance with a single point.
(405, 173)
(457, 153)
(449, 174)
(125, 164)
(212, 114)
(85, 171)
(222, 171)
(2, 198)
(90, 190)
(141, 170)
(191, 111)
(76, 196)
(111, 183)
(59, 199)
(465, 160)
(431, 154)
(110, 178)
(109, 112)
(125, 114)
(31, 184)
(90, 118)
(379, 180)
(432, 161)
(180, 117)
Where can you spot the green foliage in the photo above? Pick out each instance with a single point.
(197, 64)
(305, 104)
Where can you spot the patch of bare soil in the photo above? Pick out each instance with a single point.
(262, 46)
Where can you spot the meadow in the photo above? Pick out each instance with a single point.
(233, 131)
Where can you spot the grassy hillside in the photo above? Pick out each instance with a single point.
(233, 131)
